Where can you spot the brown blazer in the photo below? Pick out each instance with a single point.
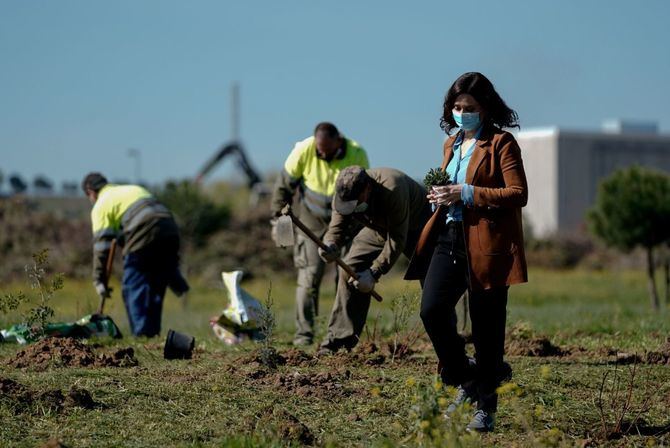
(492, 227)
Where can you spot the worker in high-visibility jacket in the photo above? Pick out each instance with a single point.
(311, 169)
(149, 236)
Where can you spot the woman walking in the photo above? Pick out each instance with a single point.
(473, 241)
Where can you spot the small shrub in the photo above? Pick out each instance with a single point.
(269, 356)
(40, 313)
(430, 427)
(621, 403)
(403, 308)
(198, 216)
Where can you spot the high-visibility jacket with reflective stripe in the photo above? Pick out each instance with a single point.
(130, 214)
(315, 176)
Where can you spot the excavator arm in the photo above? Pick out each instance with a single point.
(242, 162)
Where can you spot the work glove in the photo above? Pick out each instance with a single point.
(330, 253)
(365, 282)
(102, 290)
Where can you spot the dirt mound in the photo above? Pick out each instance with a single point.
(368, 353)
(69, 352)
(320, 385)
(281, 424)
(24, 400)
(66, 352)
(122, 357)
(263, 358)
(365, 353)
(400, 351)
(660, 356)
(536, 346)
(295, 358)
(53, 443)
(651, 357)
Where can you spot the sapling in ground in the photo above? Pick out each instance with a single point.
(40, 313)
(403, 307)
(267, 322)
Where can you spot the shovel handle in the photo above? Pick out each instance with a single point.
(108, 272)
(320, 243)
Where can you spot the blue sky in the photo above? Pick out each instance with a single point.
(83, 81)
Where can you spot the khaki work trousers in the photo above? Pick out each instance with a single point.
(350, 310)
(310, 272)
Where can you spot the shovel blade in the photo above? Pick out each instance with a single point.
(285, 236)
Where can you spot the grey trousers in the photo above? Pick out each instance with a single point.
(350, 310)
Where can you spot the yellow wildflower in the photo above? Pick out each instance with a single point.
(545, 372)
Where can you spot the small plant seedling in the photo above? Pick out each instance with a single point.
(40, 314)
(436, 177)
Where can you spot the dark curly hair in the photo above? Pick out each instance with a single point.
(482, 90)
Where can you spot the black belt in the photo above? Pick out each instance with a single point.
(453, 231)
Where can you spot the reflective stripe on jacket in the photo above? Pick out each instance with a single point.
(132, 215)
(314, 177)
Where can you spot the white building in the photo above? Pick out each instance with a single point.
(564, 169)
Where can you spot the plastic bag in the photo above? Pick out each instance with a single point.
(92, 325)
(239, 320)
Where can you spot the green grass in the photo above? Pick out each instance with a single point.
(209, 401)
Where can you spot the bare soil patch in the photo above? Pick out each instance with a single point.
(535, 346)
(370, 354)
(69, 352)
(53, 443)
(320, 384)
(25, 400)
(279, 423)
(297, 358)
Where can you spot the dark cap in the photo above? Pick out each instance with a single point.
(350, 183)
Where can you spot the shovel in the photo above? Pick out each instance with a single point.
(285, 238)
(108, 273)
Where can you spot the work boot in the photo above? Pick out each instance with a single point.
(482, 421)
(505, 373)
(465, 393)
(302, 341)
(322, 352)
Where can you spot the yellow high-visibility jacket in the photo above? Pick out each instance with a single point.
(314, 177)
(130, 214)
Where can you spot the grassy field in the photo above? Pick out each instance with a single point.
(223, 398)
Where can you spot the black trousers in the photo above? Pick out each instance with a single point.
(446, 281)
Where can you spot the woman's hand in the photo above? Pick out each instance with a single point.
(445, 194)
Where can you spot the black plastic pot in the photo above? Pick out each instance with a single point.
(178, 345)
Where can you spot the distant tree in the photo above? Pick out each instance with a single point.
(17, 184)
(43, 185)
(633, 209)
(198, 216)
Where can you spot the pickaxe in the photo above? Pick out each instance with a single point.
(285, 238)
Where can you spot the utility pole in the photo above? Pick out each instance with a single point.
(235, 111)
(137, 155)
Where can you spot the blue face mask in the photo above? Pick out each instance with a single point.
(468, 121)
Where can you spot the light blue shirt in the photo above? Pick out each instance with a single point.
(457, 169)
